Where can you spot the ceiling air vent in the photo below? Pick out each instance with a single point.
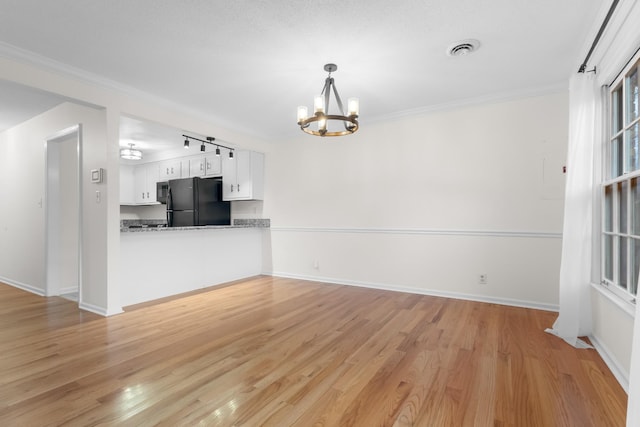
(464, 47)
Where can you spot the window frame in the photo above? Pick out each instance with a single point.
(621, 174)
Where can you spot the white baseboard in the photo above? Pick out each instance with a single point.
(68, 290)
(99, 310)
(616, 368)
(23, 286)
(431, 292)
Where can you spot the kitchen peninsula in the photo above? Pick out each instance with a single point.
(164, 249)
(157, 262)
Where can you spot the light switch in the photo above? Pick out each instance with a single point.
(98, 196)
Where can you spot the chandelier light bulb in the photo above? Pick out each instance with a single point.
(303, 113)
(318, 104)
(353, 106)
(322, 124)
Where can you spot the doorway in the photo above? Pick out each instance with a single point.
(63, 214)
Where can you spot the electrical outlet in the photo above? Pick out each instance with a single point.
(482, 279)
(316, 264)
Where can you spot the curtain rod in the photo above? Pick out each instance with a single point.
(583, 67)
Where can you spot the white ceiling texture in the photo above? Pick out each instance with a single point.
(247, 64)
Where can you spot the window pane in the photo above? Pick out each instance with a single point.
(608, 257)
(622, 205)
(622, 262)
(635, 206)
(616, 111)
(636, 266)
(632, 148)
(608, 208)
(616, 158)
(632, 96)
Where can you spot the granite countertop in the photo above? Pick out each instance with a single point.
(151, 225)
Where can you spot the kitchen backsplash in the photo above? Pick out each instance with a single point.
(241, 209)
(143, 212)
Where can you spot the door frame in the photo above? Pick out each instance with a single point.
(64, 134)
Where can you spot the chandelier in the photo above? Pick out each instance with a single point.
(324, 124)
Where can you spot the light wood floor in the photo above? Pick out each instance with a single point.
(283, 352)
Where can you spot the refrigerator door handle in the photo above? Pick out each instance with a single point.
(169, 208)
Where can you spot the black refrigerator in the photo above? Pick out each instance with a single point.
(196, 201)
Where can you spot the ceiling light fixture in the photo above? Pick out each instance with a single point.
(321, 111)
(131, 153)
(209, 140)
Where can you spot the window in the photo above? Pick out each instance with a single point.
(621, 189)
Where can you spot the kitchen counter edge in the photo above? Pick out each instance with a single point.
(246, 223)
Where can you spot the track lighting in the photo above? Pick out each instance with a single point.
(209, 140)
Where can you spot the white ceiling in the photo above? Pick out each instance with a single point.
(247, 64)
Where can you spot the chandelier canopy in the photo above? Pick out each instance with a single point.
(324, 124)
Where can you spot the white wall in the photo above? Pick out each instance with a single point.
(22, 218)
(428, 203)
(157, 264)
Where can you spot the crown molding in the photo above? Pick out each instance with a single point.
(471, 102)
(24, 56)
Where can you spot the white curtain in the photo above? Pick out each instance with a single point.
(574, 319)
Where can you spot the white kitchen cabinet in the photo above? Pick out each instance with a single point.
(243, 176)
(206, 165)
(170, 169)
(127, 185)
(213, 165)
(145, 180)
(197, 166)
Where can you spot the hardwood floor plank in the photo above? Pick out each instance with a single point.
(284, 352)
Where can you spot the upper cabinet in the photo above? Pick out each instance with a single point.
(145, 180)
(205, 165)
(170, 169)
(243, 176)
(127, 185)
